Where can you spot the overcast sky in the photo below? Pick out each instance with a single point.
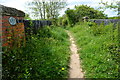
(20, 4)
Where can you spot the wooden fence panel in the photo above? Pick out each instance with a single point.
(31, 26)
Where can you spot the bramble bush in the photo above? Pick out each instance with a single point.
(99, 49)
(46, 55)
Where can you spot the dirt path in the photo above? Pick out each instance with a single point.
(75, 70)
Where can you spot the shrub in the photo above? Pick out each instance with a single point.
(64, 22)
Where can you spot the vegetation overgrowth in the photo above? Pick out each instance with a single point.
(46, 55)
(99, 49)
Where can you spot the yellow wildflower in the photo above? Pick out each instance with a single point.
(63, 68)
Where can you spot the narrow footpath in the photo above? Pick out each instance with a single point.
(75, 70)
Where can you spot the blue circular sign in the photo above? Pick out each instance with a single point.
(12, 21)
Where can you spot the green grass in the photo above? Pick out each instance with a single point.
(44, 56)
(99, 50)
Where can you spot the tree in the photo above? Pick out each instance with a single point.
(115, 5)
(70, 13)
(46, 9)
(84, 10)
(76, 15)
(62, 21)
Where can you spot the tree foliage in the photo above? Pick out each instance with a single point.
(71, 16)
(76, 15)
(46, 9)
(62, 21)
(84, 10)
(115, 5)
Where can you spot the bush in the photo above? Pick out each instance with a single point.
(64, 22)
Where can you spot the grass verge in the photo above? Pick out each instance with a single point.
(99, 49)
